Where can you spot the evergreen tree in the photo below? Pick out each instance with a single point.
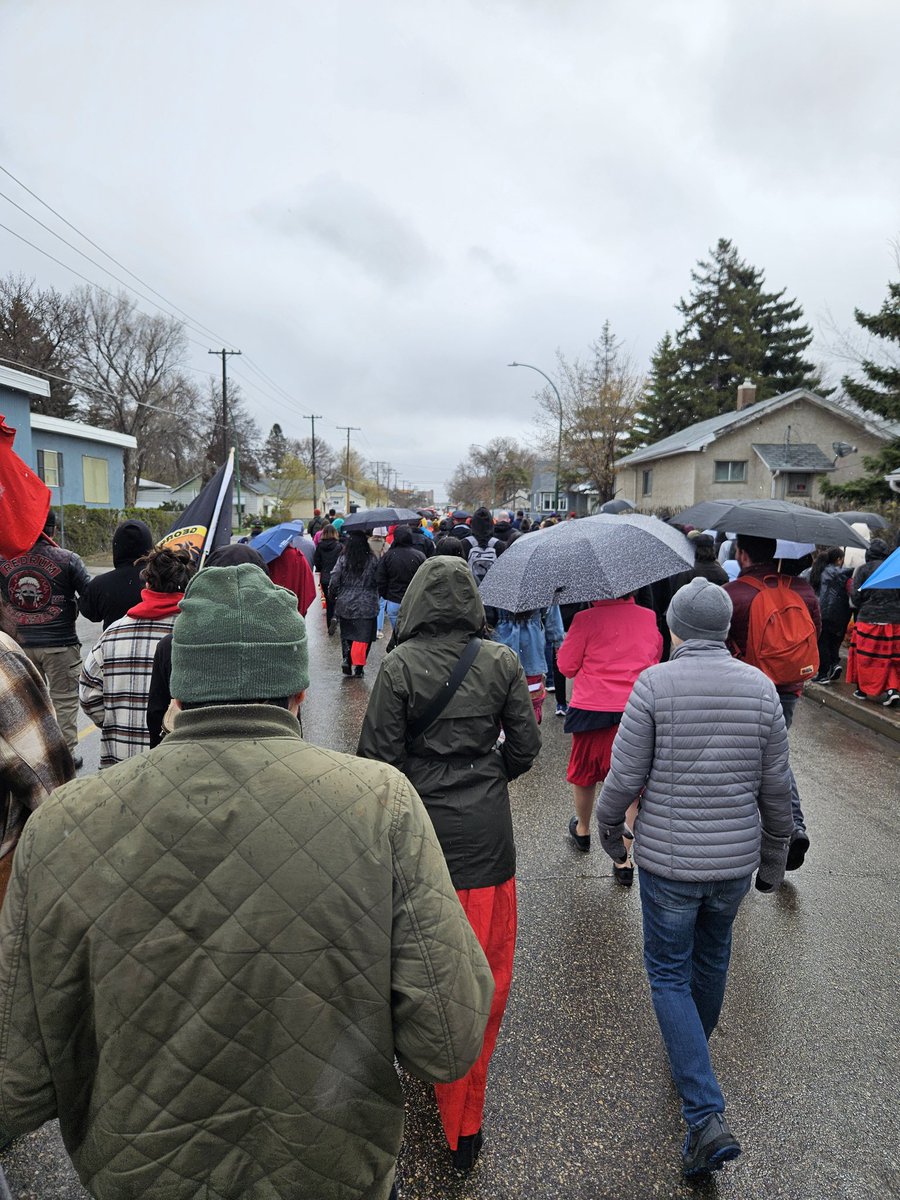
(661, 411)
(877, 392)
(276, 450)
(734, 329)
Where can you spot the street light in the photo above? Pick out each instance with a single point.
(559, 402)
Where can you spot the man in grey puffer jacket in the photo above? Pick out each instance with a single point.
(703, 743)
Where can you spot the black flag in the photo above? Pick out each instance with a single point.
(206, 522)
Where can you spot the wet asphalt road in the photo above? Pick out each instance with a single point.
(580, 1103)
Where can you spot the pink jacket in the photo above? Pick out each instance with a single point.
(606, 648)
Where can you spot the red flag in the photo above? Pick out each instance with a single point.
(24, 499)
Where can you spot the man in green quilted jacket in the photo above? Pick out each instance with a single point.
(211, 954)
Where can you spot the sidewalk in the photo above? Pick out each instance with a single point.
(839, 698)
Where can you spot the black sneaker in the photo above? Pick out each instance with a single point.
(581, 840)
(77, 760)
(892, 698)
(858, 695)
(797, 851)
(836, 673)
(709, 1147)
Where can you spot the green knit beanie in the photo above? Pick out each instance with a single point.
(238, 636)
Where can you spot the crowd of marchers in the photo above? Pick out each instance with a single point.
(215, 951)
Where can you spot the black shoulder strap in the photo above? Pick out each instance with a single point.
(442, 699)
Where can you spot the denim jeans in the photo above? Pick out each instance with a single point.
(687, 945)
(788, 704)
(379, 620)
(393, 610)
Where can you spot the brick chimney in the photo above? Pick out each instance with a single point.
(746, 394)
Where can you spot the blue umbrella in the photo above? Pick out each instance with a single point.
(887, 575)
(272, 543)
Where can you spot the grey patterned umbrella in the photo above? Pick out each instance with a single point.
(616, 506)
(772, 519)
(596, 558)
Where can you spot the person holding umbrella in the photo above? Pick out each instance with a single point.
(874, 662)
(760, 575)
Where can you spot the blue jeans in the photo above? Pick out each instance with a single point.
(393, 610)
(687, 945)
(788, 704)
(379, 620)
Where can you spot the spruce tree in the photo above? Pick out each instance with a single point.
(878, 392)
(661, 411)
(734, 329)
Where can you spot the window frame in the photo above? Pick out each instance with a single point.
(647, 481)
(86, 472)
(44, 468)
(730, 464)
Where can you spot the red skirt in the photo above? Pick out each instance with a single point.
(492, 915)
(590, 757)
(873, 663)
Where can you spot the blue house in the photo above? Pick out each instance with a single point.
(81, 464)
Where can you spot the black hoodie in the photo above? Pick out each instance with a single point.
(874, 606)
(110, 595)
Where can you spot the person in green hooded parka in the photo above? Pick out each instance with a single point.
(460, 766)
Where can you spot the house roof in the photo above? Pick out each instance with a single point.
(699, 435)
(795, 456)
(90, 433)
(19, 381)
(149, 484)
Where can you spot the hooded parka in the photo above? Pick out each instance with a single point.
(455, 765)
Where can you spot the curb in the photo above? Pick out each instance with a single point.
(863, 712)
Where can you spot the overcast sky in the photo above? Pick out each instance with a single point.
(383, 203)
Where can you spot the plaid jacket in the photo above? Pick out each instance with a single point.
(115, 683)
(34, 758)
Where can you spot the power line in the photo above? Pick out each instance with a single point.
(105, 253)
(196, 325)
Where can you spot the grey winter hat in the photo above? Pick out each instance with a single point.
(700, 610)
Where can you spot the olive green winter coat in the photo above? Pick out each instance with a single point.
(211, 955)
(455, 765)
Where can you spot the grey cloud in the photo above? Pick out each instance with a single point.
(355, 225)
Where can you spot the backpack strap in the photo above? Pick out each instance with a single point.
(442, 699)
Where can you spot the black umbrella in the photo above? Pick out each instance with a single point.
(771, 519)
(376, 518)
(596, 558)
(873, 520)
(616, 506)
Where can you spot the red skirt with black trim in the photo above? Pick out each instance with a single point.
(873, 663)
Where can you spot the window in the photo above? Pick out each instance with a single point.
(548, 503)
(48, 466)
(731, 471)
(647, 482)
(799, 485)
(96, 480)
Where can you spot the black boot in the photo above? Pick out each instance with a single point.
(467, 1150)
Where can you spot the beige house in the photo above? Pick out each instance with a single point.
(782, 447)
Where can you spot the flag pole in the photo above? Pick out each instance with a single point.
(220, 500)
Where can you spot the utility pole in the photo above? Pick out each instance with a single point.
(349, 429)
(313, 417)
(237, 462)
(224, 354)
(379, 467)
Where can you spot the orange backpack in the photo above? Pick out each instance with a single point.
(781, 637)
